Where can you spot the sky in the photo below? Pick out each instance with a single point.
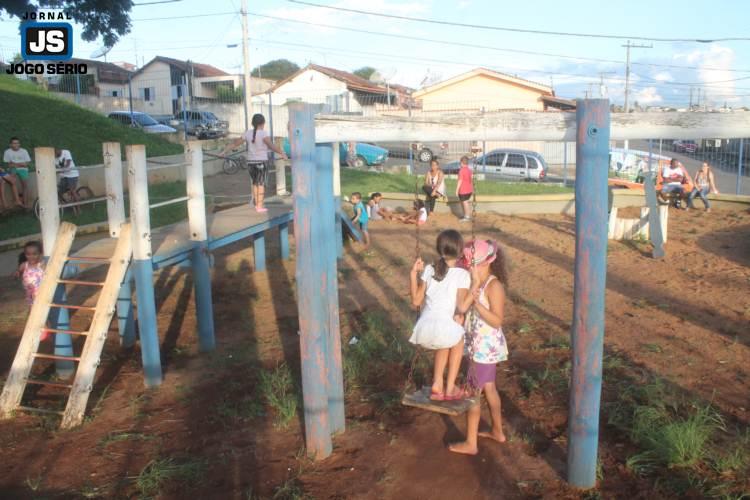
(660, 76)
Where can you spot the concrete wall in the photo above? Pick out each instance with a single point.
(158, 77)
(316, 88)
(103, 104)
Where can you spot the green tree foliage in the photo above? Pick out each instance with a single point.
(278, 69)
(109, 20)
(365, 72)
(225, 93)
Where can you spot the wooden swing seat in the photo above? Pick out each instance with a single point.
(421, 399)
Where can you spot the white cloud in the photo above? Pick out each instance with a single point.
(463, 4)
(714, 65)
(663, 76)
(647, 96)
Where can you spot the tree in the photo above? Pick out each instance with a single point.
(109, 20)
(365, 72)
(278, 69)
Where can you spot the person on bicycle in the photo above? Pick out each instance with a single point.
(259, 144)
(68, 176)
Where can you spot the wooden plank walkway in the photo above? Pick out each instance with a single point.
(172, 244)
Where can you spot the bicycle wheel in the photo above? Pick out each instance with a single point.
(231, 166)
(84, 193)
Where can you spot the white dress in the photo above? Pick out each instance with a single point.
(436, 328)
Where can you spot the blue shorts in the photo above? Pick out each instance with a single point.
(363, 225)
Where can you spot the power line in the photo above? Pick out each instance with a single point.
(169, 18)
(485, 47)
(519, 30)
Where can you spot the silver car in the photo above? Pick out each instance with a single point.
(136, 119)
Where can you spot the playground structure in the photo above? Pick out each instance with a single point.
(315, 205)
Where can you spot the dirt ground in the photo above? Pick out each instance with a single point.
(683, 319)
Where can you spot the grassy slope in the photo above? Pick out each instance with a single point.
(40, 119)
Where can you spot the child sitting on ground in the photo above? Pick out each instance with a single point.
(418, 216)
(375, 211)
(360, 217)
(440, 288)
(487, 346)
(30, 271)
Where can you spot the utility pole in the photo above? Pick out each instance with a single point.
(245, 63)
(602, 87)
(629, 46)
(690, 102)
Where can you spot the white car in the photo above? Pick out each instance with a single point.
(140, 120)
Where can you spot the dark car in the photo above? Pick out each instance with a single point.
(422, 151)
(201, 124)
(512, 163)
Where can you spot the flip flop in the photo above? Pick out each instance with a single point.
(459, 395)
(437, 396)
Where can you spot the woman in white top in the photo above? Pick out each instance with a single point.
(259, 144)
(434, 185)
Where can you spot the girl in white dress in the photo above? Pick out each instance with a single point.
(439, 288)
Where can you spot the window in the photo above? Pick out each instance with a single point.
(515, 161)
(533, 162)
(114, 93)
(494, 160)
(148, 93)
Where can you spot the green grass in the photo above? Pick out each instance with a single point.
(23, 224)
(279, 390)
(158, 472)
(41, 119)
(367, 182)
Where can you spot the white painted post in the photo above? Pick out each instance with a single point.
(611, 224)
(663, 218)
(280, 177)
(196, 203)
(139, 204)
(49, 210)
(643, 232)
(113, 185)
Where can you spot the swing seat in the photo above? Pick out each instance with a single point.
(421, 399)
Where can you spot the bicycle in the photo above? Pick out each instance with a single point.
(84, 193)
(233, 163)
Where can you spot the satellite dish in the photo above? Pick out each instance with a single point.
(100, 52)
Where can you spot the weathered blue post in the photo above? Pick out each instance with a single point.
(311, 277)
(196, 205)
(738, 189)
(655, 232)
(592, 151)
(142, 266)
(329, 219)
(337, 199)
(125, 319)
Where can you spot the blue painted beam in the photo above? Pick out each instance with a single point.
(284, 240)
(125, 319)
(250, 231)
(327, 260)
(349, 226)
(592, 158)
(147, 328)
(259, 251)
(204, 309)
(60, 319)
(313, 314)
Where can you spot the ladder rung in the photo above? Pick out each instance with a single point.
(78, 282)
(56, 357)
(68, 306)
(92, 259)
(39, 410)
(45, 382)
(69, 332)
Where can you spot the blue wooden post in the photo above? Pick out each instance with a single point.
(336, 158)
(259, 249)
(142, 266)
(655, 233)
(284, 240)
(592, 151)
(125, 320)
(311, 289)
(60, 319)
(324, 184)
(200, 257)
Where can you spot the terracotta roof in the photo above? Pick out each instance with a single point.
(106, 72)
(352, 81)
(198, 68)
(539, 87)
(559, 102)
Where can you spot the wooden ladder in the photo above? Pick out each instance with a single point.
(96, 335)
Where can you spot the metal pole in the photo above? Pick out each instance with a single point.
(311, 302)
(78, 89)
(270, 122)
(592, 151)
(184, 110)
(142, 265)
(245, 63)
(739, 167)
(196, 206)
(565, 163)
(130, 96)
(484, 157)
(328, 217)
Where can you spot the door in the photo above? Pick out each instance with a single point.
(534, 167)
(515, 166)
(493, 162)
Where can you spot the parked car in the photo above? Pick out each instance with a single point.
(201, 124)
(684, 146)
(513, 163)
(140, 120)
(367, 154)
(422, 151)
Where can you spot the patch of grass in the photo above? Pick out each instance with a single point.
(158, 472)
(34, 483)
(735, 459)
(557, 342)
(279, 390)
(367, 182)
(117, 436)
(242, 409)
(553, 379)
(656, 348)
(525, 328)
(290, 490)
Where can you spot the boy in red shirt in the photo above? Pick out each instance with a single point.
(465, 188)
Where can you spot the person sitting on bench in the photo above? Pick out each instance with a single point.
(673, 183)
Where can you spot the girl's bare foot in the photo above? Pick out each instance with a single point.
(464, 448)
(494, 435)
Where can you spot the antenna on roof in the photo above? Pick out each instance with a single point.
(101, 52)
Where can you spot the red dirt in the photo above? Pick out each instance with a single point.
(694, 305)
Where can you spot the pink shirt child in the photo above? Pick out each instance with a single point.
(464, 175)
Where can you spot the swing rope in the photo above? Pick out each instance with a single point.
(417, 251)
